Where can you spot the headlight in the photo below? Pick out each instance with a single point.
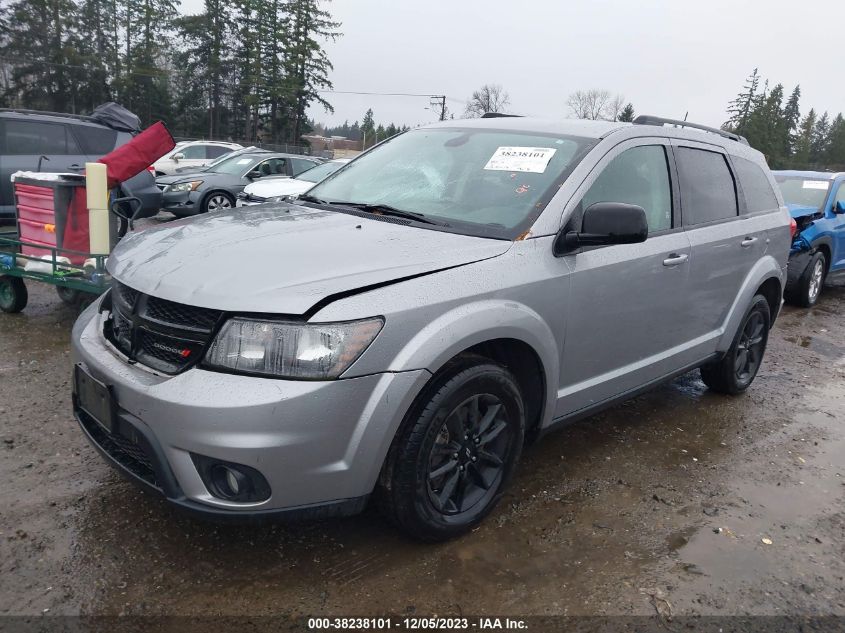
(185, 186)
(286, 349)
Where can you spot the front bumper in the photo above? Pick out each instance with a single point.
(181, 202)
(319, 444)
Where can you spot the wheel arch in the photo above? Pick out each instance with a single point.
(756, 281)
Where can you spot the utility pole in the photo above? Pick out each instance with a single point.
(438, 102)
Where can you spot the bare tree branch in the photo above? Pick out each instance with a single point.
(488, 98)
(595, 105)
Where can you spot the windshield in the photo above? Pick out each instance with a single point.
(234, 165)
(806, 192)
(481, 181)
(318, 173)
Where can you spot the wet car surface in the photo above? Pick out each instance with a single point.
(661, 503)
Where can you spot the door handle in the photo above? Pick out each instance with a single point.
(75, 167)
(675, 259)
(748, 241)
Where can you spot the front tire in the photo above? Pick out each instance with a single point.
(217, 201)
(735, 372)
(455, 452)
(807, 289)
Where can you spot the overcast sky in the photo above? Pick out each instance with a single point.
(666, 57)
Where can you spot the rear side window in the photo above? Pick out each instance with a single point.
(36, 137)
(95, 141)
(639, 176)
(708, 192)
(755, 186)
(216, 151)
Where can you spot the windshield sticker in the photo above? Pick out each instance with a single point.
(524, 159)
(814, 184)
(244, 161)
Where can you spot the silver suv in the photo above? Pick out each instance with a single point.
(404, 328)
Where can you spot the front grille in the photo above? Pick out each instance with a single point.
(180, 314)
(121, 449)
(161, 334)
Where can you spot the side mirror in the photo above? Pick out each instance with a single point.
(254, 174)
(178, 156)
(605, 223)
(840, 207)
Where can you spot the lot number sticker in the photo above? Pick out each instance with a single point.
(814, 184)
(527, 159)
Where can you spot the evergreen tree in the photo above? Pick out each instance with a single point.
(38, 35)
(791, 117)
(307, 65)
(740, 108)
(819, 140)
(368, 129)
(803, 141)
(627, 114)
(835, 150)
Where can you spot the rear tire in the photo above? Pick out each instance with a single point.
(455, 451)
(13, 294)
(805, 293)
(735, 372)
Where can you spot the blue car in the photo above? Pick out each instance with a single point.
(816, 201)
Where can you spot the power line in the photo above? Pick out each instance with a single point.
(158, 73)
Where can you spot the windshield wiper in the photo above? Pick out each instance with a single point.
(386, 209)
(305, 197)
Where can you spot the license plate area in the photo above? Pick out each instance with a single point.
(94, 398)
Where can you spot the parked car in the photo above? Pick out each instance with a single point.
(53, 142)
(217, 187)
(192, 154)
(236, 152)
(404, 327)
(273, 189)
(816, 201)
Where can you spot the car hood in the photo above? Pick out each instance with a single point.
(179, 177)
(800, 210)
(283, 258)
(271, 187)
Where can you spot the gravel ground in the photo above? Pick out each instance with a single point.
(678, 502)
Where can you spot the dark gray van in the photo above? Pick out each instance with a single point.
(50, 142)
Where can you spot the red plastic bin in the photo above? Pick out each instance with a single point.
(52, 212)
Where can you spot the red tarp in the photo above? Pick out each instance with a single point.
(135, 156)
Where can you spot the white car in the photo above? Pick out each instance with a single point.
(274, 189)
(193, 154)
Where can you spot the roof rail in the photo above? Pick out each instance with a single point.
(499, 115)
(647, 119)
(81, 117)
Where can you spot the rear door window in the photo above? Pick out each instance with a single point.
(36, 138)
(193, 151)
(93, 140)
(756, 187)
(639, 176)
(708, 191)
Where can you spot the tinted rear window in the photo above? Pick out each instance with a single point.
(756, 188)
(708, 192)
(95, 141)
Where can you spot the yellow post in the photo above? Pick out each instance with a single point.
(97, 189)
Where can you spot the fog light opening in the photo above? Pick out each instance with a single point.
(230, 482)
